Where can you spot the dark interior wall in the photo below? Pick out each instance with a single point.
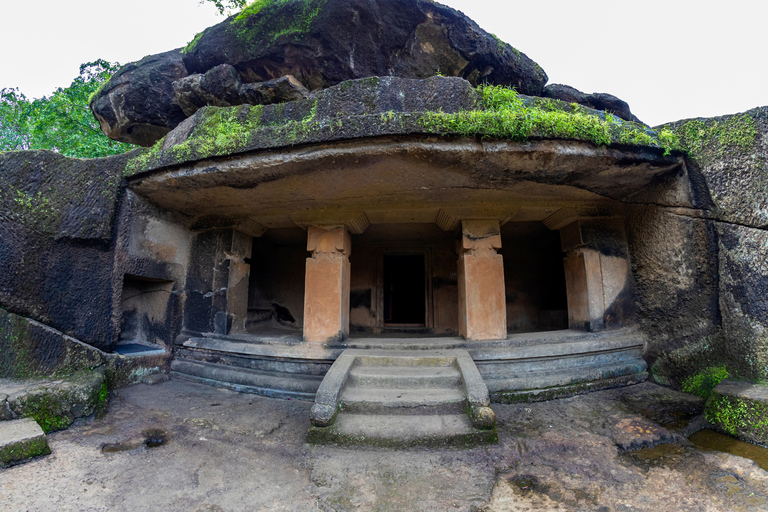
(534, 278)
(276, 290)
(384, 241)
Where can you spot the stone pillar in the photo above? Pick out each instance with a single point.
(597, 274)
(238, 281)
(217, 282)
(584, 288)
(326, 288)
(482, 303)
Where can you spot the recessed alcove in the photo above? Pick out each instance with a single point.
(144, 304)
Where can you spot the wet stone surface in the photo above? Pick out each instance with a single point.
(228, 451)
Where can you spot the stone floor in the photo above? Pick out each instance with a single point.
(223, 451)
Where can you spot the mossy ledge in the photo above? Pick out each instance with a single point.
(443, 106)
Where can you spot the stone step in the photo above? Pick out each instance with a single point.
(402, 431)
(402, 401)
(267, 383)
(21, 440)
(404, 376)
(740, 409)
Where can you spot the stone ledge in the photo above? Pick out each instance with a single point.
(740, 409)
(21, 440)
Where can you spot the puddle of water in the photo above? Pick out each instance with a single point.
(666, 454)
(710, 440)
(152, 438)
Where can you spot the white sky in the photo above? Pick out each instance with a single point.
(670, 59)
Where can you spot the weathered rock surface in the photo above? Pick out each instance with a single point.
(740, 409)
(597, 100)
(221, 87)
(743, 269)
(55, 233)
(320, 43)
(138, 104)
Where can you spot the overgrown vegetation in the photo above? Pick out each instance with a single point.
(504, 114)
(61, 122)
(702, 383)
(264, 21)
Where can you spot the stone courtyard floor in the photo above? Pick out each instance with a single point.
(224, 451)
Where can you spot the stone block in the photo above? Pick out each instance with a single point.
(740, 409)
(21, 440)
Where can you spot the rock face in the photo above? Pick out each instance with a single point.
(138, 104)
(597, 100)
(319, 42)
(701, 265)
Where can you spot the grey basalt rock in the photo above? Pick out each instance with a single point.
(221, 87)
(597, 100)
(288, 46)
(138, 105)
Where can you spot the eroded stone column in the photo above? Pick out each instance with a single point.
(482, 304)
(326, 288)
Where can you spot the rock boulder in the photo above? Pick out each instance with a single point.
(319, 42)
(597, 100)
(138, 104)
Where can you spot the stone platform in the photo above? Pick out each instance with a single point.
(523, 367)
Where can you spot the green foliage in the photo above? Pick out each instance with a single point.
(225, 6)
(61, 122)
(702, 383)
(263, 21)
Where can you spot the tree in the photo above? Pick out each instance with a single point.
(61, 122)
(227, 5)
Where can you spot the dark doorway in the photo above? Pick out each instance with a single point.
(404, 289)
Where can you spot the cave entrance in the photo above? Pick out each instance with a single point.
(405, 290)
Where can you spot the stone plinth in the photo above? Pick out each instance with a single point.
(482, 304)
(326, 288)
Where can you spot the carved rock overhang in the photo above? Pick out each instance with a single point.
(406, 179)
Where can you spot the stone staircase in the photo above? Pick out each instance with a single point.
(402, 398)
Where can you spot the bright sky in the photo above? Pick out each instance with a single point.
(669, 59)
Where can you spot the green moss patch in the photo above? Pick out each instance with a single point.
(702, 383)
(713, 138)
(55, 404)
(504, 114)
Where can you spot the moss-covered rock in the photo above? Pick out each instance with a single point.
(731, 152)
(56, 403)
(391, 106)
(740, 409)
